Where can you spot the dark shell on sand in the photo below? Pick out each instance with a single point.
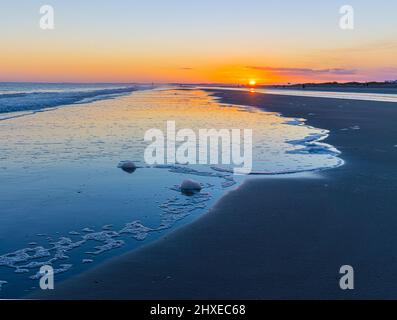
(127, 166)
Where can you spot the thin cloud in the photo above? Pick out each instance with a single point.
(306, 71)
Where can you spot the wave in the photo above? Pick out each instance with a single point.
(33, 101)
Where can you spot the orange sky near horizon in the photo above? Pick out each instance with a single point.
(63, 63)
(88, 66)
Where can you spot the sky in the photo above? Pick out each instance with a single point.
(206, 41)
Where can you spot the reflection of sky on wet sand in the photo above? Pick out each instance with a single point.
(59, 175)
(115, 129)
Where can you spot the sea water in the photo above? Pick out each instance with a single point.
(64, 200)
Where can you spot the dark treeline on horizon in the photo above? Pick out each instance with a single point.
(372, 84)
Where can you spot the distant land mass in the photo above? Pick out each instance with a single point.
(386, 87)
(392, 84)
(386, 84)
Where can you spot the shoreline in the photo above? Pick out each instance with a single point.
(375, 95)
(290, 247)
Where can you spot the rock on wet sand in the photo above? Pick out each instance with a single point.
(190, 186)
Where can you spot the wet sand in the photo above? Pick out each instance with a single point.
(279, 238)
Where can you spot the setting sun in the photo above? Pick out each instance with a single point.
(252, 82)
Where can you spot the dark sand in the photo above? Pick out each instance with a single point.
(279, 238)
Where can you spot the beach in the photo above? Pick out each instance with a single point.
(82, 207)
(278, 237)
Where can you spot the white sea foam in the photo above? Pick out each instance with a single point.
(25, 101)
(21, 270)
(87, 261)
(23, 255)
(295, 122)
(108, 240)
(137, 230)
(312, 145)
(215, 173)
(313, 137)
